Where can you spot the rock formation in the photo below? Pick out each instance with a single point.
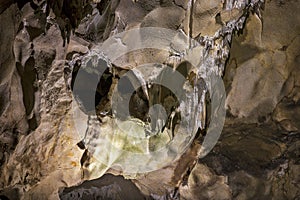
(60, 132)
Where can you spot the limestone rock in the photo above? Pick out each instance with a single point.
(11, 17)
(204, 184)
(268, 62)
(42, 156)
(108, 187)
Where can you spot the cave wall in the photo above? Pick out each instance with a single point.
(257, 156)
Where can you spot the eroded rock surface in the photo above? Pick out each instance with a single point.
(253, 45)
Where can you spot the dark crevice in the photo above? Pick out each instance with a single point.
(5, 4)
(83, 91)
(3, 197)
(81, 145)
(28, 76)
(108, 187)
(139, 105)
(84, 158)
(218, 19)
(180, 6)
(68, 15)
(103, 87)
(191, 21)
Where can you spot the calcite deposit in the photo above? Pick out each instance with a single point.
(147, 99)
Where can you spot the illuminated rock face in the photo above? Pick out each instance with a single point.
(58, 130)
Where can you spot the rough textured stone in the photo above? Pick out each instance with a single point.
(107, 187)
(42, 156)
(204, 184)
(261, 61)
(11, 16)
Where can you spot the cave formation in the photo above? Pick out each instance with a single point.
(147, 99)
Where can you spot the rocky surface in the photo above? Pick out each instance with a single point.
(253, 45)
